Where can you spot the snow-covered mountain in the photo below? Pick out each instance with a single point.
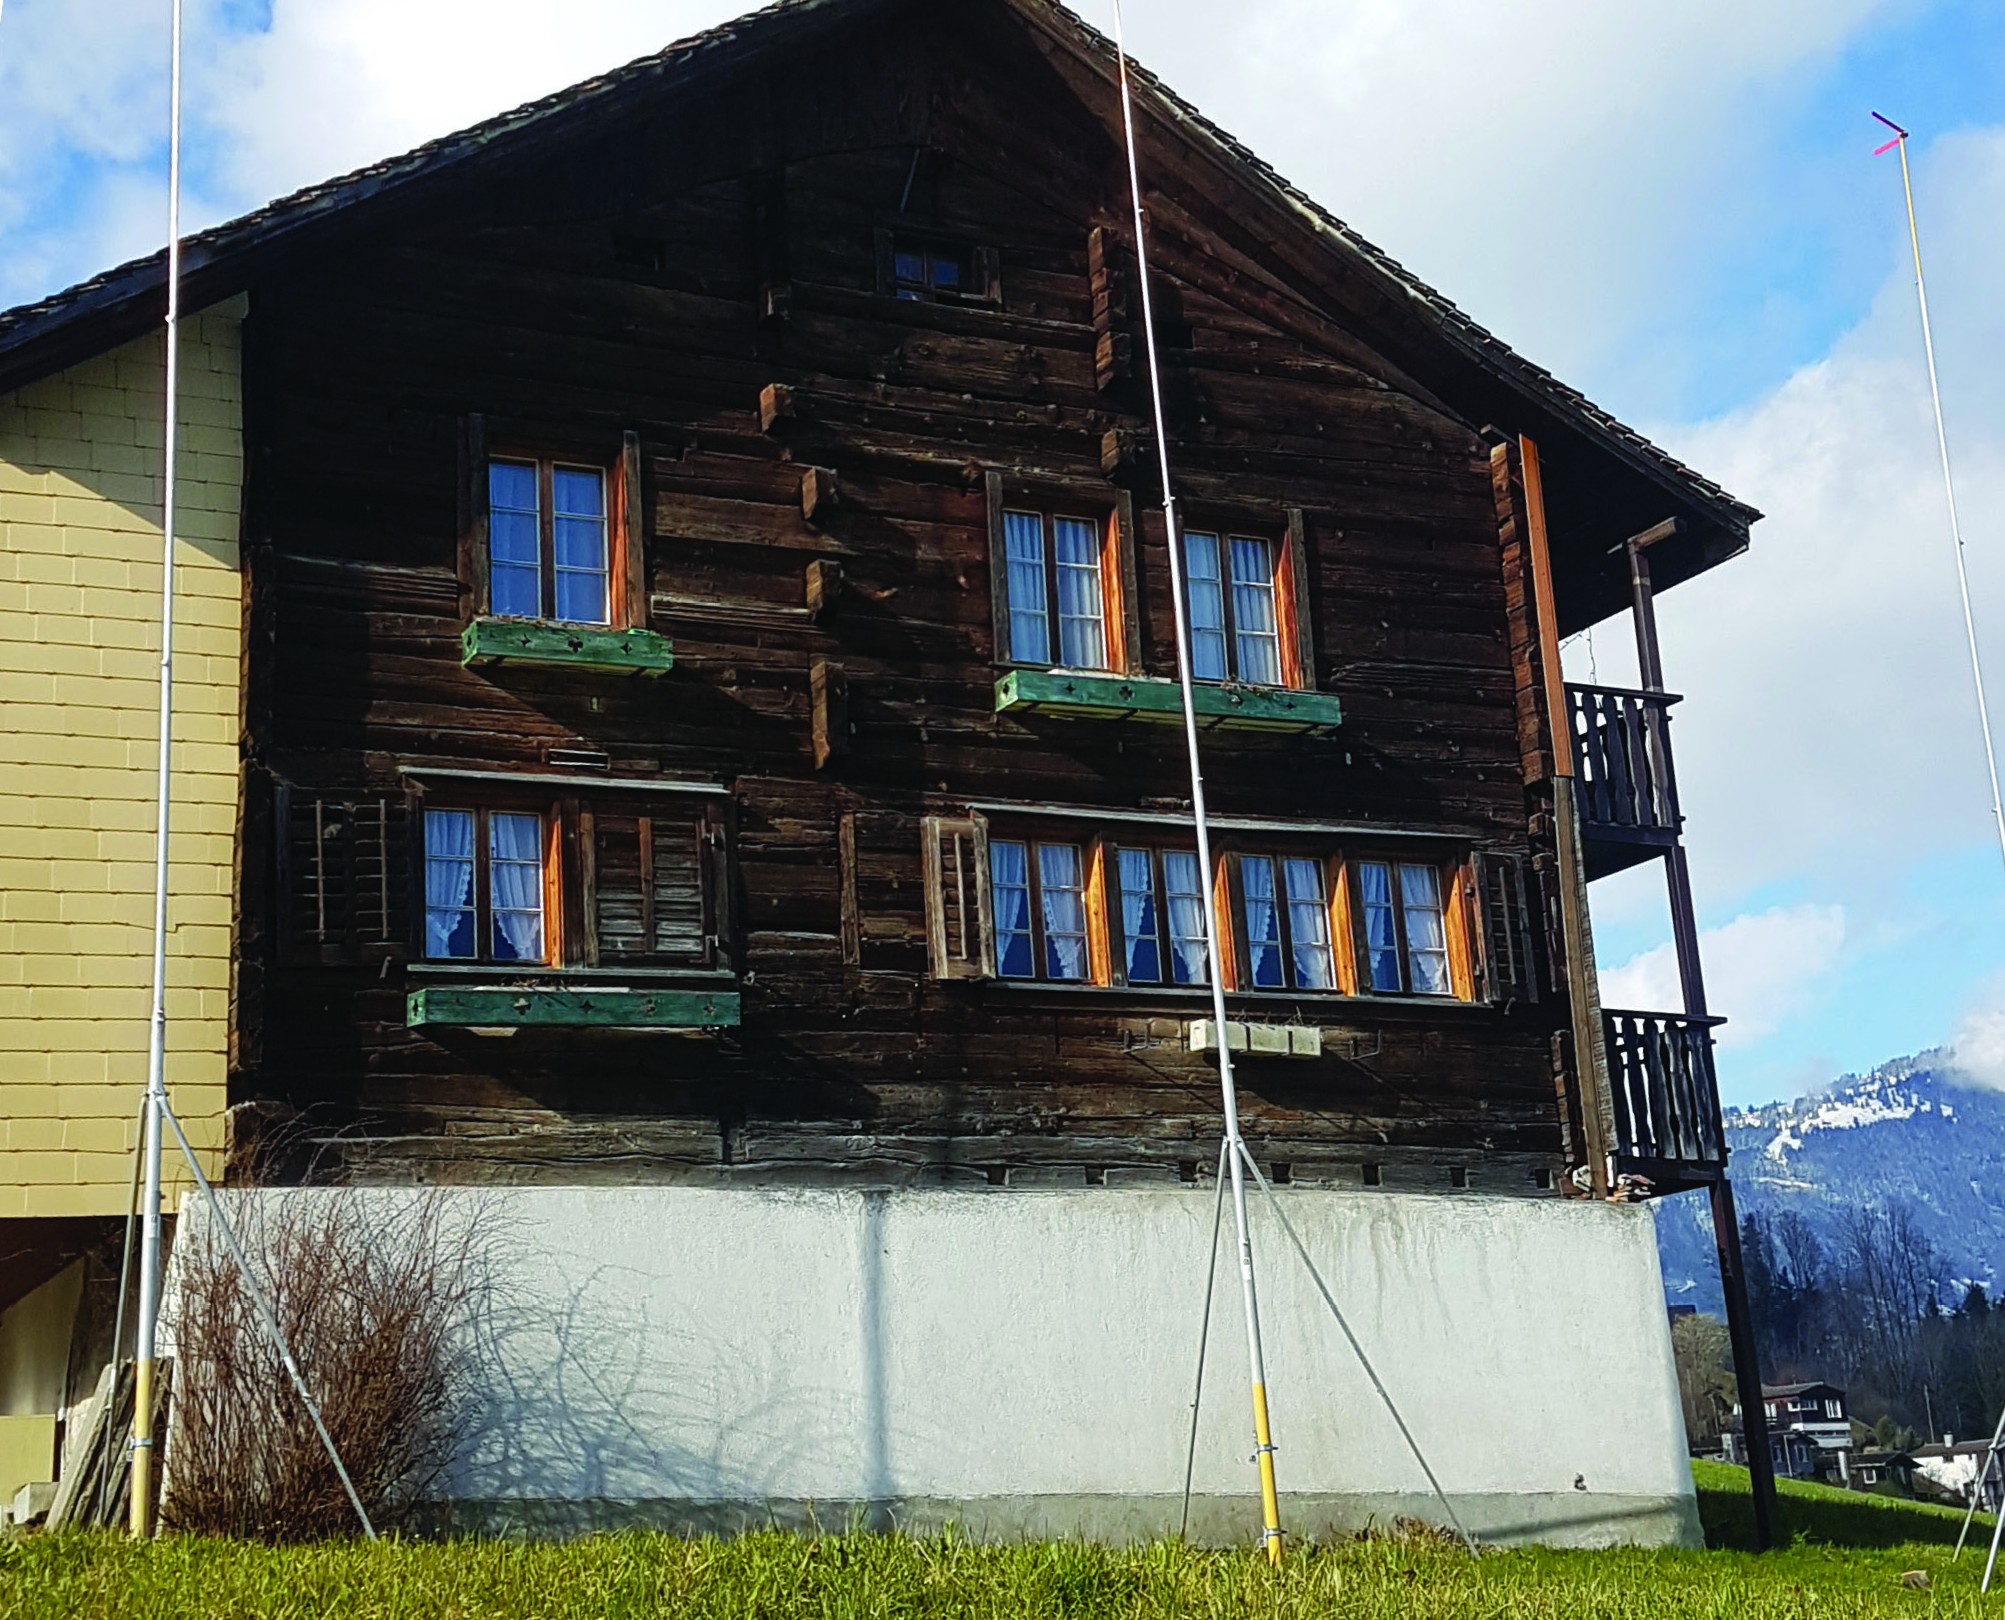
(1903, 1133)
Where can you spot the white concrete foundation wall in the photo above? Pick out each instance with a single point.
(1021, 1362)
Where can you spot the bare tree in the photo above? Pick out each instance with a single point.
(375, 1294)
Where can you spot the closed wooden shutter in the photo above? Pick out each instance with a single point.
(345, 876)
(884, 914)
(954, 855)
(658, 880)
(1506, 961)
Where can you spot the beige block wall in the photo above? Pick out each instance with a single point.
(80, 513)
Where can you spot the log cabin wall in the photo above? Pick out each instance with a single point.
(835, 673)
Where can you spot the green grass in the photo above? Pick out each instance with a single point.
(1824, 1516)
(1847, 1561)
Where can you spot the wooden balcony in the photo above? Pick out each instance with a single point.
(1625, 789)
(1667, 1099)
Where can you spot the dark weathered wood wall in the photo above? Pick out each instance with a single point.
(509, 301)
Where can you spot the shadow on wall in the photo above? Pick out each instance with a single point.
(594, 1387)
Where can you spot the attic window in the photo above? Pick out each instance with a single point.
(921, 268)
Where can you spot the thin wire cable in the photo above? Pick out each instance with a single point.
(1228, 1089)
(269, 1318)
(1949, 493)
(1358, 1350)
(1204, 1338)
(100, 1497)
(156, 1043)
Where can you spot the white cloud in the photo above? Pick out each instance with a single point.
(1564, 168)
(1762, 969)
(1831, 730)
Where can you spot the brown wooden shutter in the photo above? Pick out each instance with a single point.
(1506, 961)
(884, 915)
(345, 876)
(655, 879)
(954, 856)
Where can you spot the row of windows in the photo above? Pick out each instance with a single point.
(1101, 912)
(552, 554)
(644, 879)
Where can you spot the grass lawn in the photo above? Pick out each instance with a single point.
(1848, 1559)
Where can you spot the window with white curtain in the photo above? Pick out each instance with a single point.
(549, 542)
(1235, 625)
(484, 886)
(1057, 594)
(1405, 927)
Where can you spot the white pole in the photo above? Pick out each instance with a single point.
(1235, 1144)
(156, 1047)
(1949, 489)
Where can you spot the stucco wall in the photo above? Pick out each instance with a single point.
(1021, 1361)
(80, 501)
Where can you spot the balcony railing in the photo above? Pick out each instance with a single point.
(1625, 789)
(1667, 1098)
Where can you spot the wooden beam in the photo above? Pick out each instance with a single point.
(829, 697)
(776, 407)
(821, 493)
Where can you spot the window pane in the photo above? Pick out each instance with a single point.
(1139, 926)
(578, 492)
(1060, 875)
(1206, 606)
(514, 592)
(1381, 931)
(947, 273)
(909, 266)
(514, 541)
(515, 886)
(512, 537)
(449, 918)
(1426, 935)
(511, 486)
(1259, 643)
(1082, 641)
(1263, 922)
(1029, 623)
(1309, 925)
(1009, 893)
(579, 497)
(1185, 893)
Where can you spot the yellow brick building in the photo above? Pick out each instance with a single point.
(80, 513)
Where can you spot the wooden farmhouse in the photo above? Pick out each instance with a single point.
(683, 752)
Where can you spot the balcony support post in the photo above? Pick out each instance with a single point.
(1746, 1366)
(1590, 1057)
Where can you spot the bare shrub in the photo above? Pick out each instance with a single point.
(375, 1296)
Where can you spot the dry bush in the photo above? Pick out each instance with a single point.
(376, 1297)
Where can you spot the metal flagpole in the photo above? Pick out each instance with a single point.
(1229, 1095)
(1900, 141)
(156, 1048)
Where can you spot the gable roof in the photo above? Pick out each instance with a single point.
(120, 303)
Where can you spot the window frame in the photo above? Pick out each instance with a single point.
(981, 260)
(1111, 512)
(484, 442)
(551, 895)
(1285, 534)
(1340, 899)
(1458, 925)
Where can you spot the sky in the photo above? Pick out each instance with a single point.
(1673, 207)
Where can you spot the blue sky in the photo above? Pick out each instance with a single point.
(1672, 207)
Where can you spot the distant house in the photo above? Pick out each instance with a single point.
(1951, 1465)
(1809, 1432)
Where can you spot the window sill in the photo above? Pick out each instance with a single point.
(569, 1007)
(536, 644)
(1091, 695)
